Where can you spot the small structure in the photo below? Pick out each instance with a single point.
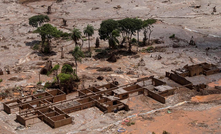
(194, 70)
(183, 75)
(1, 72)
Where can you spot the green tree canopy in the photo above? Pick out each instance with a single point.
(47, 32)
(106, 28)
(76, 35)
(128, 27)
(89, 30)
(148, 22)
(37, 20)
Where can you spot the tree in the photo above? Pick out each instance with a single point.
(147, 28)
(38, 20)
(138, 24)
(77, 54)
(128, 28)
(66, 82)
(89, 31)
(47, 32)
(76, 35)
(106, 29)
(123, 30)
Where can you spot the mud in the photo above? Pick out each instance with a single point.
(174, 17)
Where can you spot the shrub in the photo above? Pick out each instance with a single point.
(165, 132)
(67, 69)
(172, 36)
(150, 48)
(47, 85)
(1, 80)
(132, 123)
(64, 77)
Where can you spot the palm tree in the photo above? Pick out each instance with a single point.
(77, 54)
(76, 35)
(89, 31)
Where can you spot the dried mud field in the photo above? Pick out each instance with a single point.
(185, 112)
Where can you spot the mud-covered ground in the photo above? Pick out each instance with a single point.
(182, 18)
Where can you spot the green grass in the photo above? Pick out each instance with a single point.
(172, 36)
(149, 48)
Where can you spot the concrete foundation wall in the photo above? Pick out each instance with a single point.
(20, 120)
(7, 109)
(156, 96)
(157, 82)
(179, 79)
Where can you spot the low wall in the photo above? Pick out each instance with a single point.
(20, 120)
(156, 96)
(59, 98)
(179, 79)
(157, 82)
(6, 109)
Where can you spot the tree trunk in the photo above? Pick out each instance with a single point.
(149, 36)
(42, 43)
(48, 46)
(76, 66)
(145, 37)
(129, 49)
(137, 39)
(75, 41)
(89, 49)
(82, 44)
(130, 43)
(62, 53)
(123, 41)
(57, 77)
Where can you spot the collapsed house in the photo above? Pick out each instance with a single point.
(53, 108)
(185, 76)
